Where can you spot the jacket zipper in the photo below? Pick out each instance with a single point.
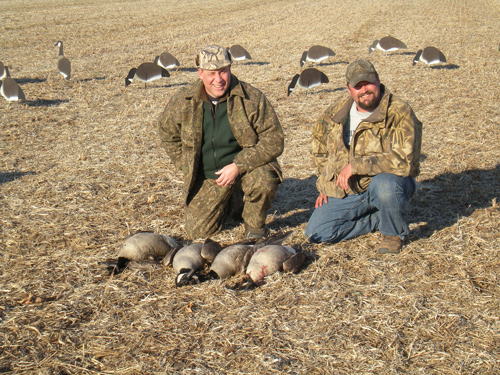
(213, 108)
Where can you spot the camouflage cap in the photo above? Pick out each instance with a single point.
(361, 70)
(213, 58)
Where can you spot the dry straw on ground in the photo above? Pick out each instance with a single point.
(81, 168)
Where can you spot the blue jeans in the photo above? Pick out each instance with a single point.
(381, 207)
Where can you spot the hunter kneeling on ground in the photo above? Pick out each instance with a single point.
(224, 135)
(367, 150)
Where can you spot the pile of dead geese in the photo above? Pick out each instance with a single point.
(197, 262)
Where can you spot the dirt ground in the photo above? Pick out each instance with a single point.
(81, 169)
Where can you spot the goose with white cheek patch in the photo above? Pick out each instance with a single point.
(192, 258)
(63, 64)
(143, 246)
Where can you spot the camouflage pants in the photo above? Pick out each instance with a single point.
(209, 205)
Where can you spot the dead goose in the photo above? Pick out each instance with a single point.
(63, 64)
(274, 258)
(430, 56)
(192, 258)
(143, 246)
(234, 259)
(167, 61)
(308, 79)
(387, 44)
(146, 72)
(316, 54)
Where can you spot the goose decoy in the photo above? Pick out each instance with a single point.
(316, 54)
(10, 90)
(63, 64)
(274, 258)
(146, 72)
(387, 44)
(3, 71)
(233, 260)
(143, 246)
(430, 56)
(309, 78)
(167, 61)
(192, 258)
(239, 53)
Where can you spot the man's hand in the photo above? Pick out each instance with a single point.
(227, 175)
(343, 177)
(322, 198)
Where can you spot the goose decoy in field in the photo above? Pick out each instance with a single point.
(3, 71)
(10, 90)
(387, 44)
(316, 54)
(192, 258)
(309, 78)
(239, 53)
(233, 260)
(430, 56)
(63, 64)
(274, 258)
(167, 61)
(143, 246)
(146, 72)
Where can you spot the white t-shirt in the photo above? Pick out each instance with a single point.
(353, 120)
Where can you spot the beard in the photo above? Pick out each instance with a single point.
(371, 104)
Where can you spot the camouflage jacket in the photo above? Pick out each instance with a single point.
(251, 117)
(388, 141)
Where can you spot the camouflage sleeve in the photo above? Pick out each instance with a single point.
(319, 148)
(401, 149)
(270, 137)
(169, 130)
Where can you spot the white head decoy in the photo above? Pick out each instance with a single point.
(63, 64)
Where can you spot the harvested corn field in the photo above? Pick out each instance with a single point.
(81, 169)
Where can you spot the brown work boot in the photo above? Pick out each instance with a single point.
(254, 233)
(390, 245)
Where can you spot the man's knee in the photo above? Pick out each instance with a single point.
(387, 188)
(262, 181)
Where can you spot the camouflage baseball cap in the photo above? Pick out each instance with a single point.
(361, 70)
(213, 58)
